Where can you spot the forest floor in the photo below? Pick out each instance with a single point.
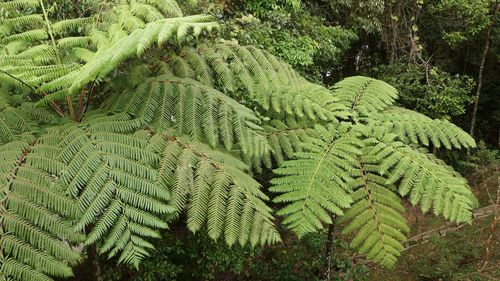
(459, 254)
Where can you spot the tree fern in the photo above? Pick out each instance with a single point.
(374, 158)
(360, 98)
(185, 131)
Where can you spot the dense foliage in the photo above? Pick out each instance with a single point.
(442, 95)
(119, 119)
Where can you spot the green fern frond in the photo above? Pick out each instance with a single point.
(66, 25)
(21, 122)
(146, 12)
(235, 68)
(215, 189)
(364, 95)
(314, 184)
(285, 140)
(71, 42)
(416, 128)
(310, 101)
(8, 50)
(275, 88)
(112, 177)
(194, 110)
(102, 48)
(375, 218)
(19, 4)
(34, 72)
(27, 36)
(169, 8)
(428, 182)
(109, 59)
(35, 237)
(12, 23)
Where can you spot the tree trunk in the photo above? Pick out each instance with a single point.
(329, 249)
(93, 256)
(481, 69)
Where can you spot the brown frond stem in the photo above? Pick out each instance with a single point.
(70, 107)
(81, 105)
(56, 107)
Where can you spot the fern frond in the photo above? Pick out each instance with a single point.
(364, 95)
(66, 25)
(428, 182)
(215, 189)
(416, 128)
(192, 109)
(35, 237)
(375, 218)
(112, 177)
(169, 8)
(235, 68)
(70, 42)
(314, 183)
(12, 23)
(286, 140)
(273, 86)
(108, 59)
(146, 12)
(27, 36)
(102, 48)
(310, 101)
(21, 122)
(19, 4)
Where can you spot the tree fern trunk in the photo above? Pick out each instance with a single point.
(93, 256)
(329, 249)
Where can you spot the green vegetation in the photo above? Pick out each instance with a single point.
(244, 140)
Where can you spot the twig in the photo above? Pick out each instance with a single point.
(89, 98)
